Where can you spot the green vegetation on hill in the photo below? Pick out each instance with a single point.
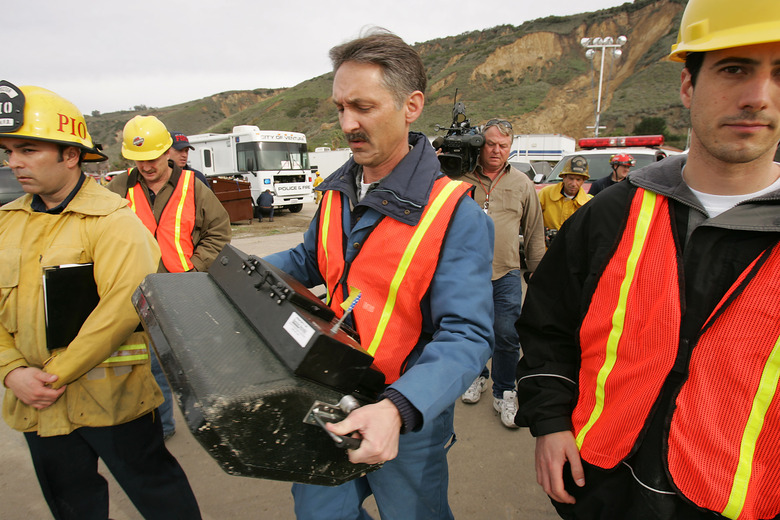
(647, 88)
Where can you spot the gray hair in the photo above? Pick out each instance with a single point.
(403, 71)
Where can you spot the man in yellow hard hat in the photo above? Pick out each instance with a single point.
(157, 187)
(185, 216)
(560, 201)
(317, 181)
(77, 375)
(651, 330)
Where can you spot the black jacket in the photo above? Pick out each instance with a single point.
(711, 255)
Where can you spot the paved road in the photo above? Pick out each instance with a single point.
(491, 467)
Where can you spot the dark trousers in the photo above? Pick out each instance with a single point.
(134, 452)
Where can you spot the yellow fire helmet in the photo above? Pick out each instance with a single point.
(577, 165)
(709, 25)
(40, 114)
(145, 138)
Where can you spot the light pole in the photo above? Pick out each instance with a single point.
(602, 44)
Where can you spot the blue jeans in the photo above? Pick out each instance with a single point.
(166, 409)
(413, 486)
(265, 212)
(507, 301)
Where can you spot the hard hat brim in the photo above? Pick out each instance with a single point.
(759, 33)
(90, 154)
(131, 155)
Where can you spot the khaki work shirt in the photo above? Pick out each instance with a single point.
(514, 207)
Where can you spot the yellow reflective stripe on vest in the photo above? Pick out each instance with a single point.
(644, 220)
(406, 261)
(325, 213)
(179, 211)
(131, 196)
(137, 352)
(130, 193)
(767, 388)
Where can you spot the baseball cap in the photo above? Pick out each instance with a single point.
(180, 141)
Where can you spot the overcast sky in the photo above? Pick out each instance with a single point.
(109, 55)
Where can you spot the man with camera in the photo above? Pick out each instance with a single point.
(508, 197)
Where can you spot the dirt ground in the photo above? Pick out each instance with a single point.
(284, 222)
(491, 467)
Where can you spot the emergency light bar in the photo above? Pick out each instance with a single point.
(612, 142)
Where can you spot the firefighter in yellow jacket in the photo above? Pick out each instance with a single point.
(190, 224)
(95, 397)
(560, 201)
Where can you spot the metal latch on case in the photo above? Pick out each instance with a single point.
(322, 413)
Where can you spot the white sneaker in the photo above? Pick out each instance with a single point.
(474, 392)
(507, 408)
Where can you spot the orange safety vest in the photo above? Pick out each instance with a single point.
(177, 221)
(724, 439)
(393, 271)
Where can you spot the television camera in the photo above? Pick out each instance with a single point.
(460, 146)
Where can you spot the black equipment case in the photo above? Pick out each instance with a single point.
(251, 357)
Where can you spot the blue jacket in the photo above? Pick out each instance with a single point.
(265, 200)
(457, 336)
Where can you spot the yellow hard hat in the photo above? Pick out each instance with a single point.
(145, 138)
(709, 25)
(40, 114)
(577, 165)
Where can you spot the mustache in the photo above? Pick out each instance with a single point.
(751, 118)
(356, 136)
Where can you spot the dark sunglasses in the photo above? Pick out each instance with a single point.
(498, 122)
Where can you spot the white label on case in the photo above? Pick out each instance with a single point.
(300, 330)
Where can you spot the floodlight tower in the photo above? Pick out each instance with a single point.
(594, 45)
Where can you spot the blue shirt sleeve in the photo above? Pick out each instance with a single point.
(301, 261)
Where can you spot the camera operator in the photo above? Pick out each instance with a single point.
(508, 196)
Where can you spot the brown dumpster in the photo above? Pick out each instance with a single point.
(236, 197)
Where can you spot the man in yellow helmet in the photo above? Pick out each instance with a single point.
(651, 330)
(77, 375)
(317, 181)
(185, 216)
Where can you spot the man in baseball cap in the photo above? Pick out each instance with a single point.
(180, 154)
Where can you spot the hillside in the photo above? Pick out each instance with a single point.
(536, 75)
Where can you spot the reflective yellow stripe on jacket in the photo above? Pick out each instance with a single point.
(127, 355)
